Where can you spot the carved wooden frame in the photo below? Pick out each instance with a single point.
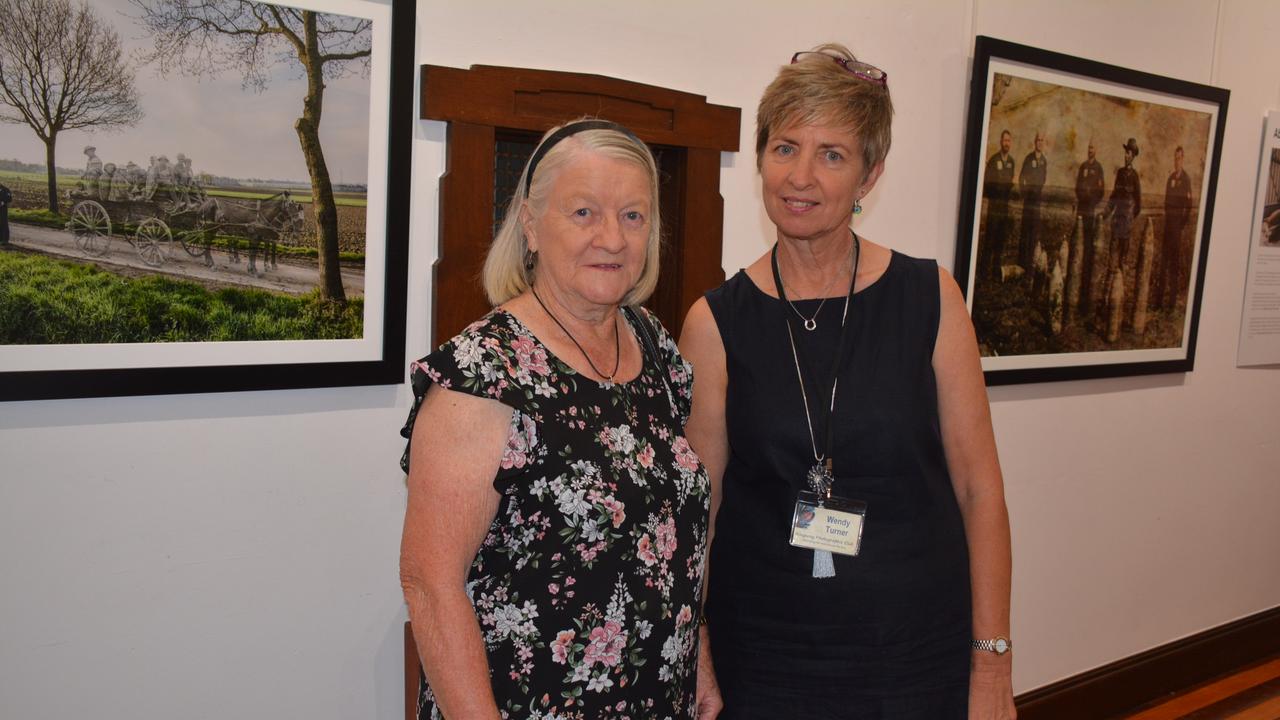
(481, 102)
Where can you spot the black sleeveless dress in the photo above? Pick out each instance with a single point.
(888, 636)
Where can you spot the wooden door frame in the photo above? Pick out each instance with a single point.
(481, 101)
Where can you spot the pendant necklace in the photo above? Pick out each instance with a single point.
(811, 323)
(617, 342)
(820, 477)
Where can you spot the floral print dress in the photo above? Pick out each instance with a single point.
(588, 583)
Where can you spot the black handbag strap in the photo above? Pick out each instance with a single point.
(650, 342)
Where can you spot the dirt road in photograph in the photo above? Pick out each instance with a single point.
(291, 275)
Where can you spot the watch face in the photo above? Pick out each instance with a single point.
(1002, 645)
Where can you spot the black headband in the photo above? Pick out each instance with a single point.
(571, 129)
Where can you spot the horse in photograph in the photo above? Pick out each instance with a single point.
(262, 222)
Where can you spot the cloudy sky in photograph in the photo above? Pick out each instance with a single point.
(226, 129)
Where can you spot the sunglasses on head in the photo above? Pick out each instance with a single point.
(870, 73)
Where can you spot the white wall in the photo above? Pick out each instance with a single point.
(235, 555)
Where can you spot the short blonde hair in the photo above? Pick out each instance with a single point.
(505, 275)
(816, 91)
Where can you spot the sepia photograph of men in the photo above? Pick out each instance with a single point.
(1087, 222)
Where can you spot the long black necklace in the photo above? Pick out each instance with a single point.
(617, 340)
(820, 476)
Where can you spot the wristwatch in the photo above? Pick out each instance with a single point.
(997, 645)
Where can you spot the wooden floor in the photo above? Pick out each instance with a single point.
(1253, 693)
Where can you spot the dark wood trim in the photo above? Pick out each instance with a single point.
(481, 102)
(527, 99)
(1134, 681)
(466, 227)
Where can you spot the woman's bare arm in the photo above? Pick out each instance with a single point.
(969, 442)
(457, 447)
(701, 345)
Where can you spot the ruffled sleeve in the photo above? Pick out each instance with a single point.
(483, 360)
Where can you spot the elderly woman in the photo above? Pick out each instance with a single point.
(556, 527)
(860, 567)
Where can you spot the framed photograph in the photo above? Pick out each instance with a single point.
(1260, 314)
(1085, 212)
(224, 205)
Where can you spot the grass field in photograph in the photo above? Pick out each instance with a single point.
(56, 302)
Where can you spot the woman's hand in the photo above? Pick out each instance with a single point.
(709, 703)
(991, 689)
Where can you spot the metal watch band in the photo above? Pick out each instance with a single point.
(997, 645)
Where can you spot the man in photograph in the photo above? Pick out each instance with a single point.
(997, 186)
(6, 198)
(92, 171)
(1174, 265)
(1089, 192)
(1124, 207)
(1031, 185)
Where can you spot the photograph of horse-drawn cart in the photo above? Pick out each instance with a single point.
(249, 251)
(155, 210)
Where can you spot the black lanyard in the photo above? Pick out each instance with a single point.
(827, 422)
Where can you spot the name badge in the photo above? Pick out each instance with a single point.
(829, 523)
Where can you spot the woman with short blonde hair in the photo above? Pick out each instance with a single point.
(860, 564)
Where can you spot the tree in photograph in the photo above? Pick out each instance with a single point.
(207, 37)
(62, 68)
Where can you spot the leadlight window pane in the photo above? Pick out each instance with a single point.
(509, 158)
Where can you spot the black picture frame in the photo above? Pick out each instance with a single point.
(332, 366)
(1050, 315)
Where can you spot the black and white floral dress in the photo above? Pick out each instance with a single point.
(587, 584)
